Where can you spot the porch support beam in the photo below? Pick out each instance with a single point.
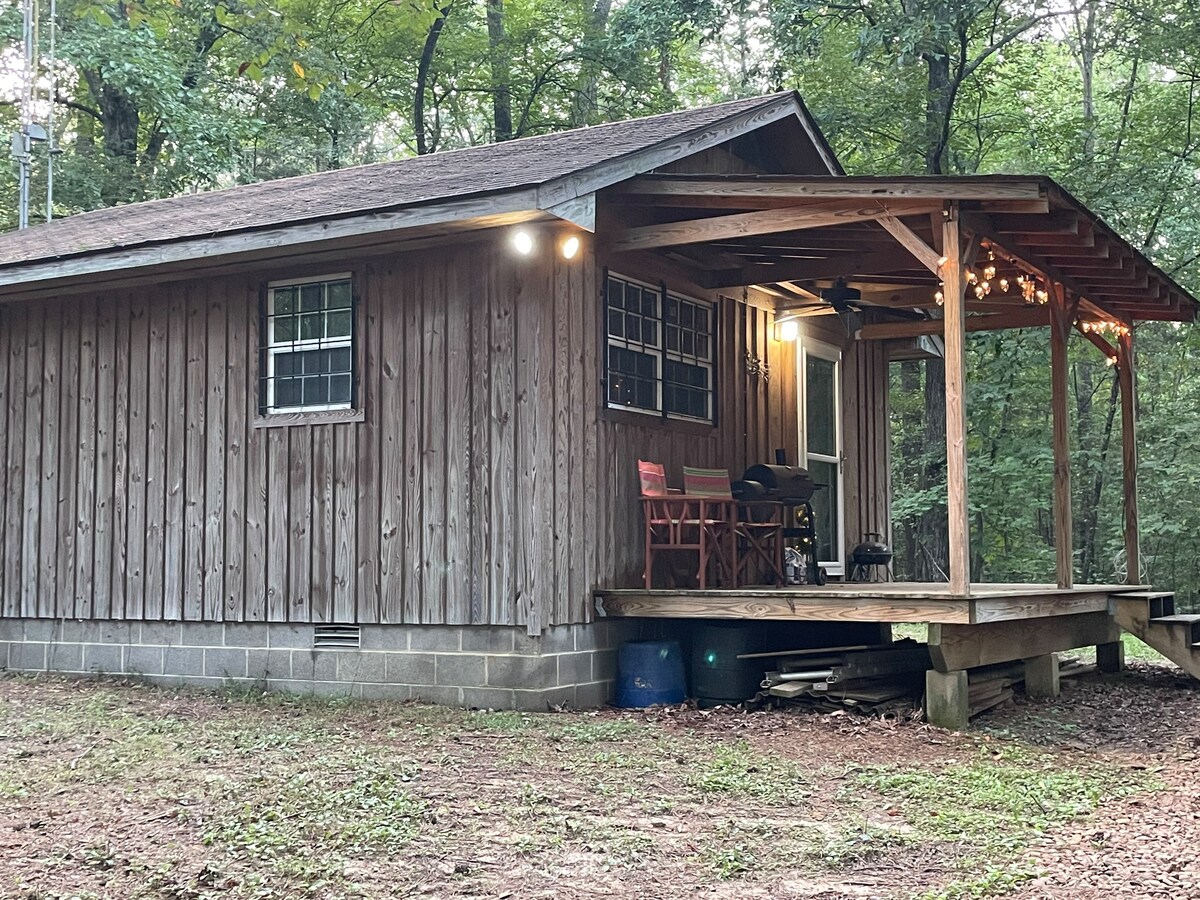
(1126, 375)
(912, 242)
(955, 336)
(863, 188)
(1033, 317)
(808, 269)
(1060, 329)
(817, 214)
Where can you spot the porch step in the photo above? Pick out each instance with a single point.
(1150, 615)
(1158, 603)
(1191, 623)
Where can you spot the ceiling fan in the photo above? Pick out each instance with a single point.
(847, 303)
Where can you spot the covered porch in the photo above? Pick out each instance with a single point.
(902, 266)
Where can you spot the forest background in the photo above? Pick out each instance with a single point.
(160, 97)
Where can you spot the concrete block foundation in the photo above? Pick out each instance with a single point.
(498, 667)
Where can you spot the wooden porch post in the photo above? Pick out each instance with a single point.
(954, 288)
(1126, 376)
(1060, 329)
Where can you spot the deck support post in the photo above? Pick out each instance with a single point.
(1060, 329)
(947, 699)
(954, 288)
(1110, 657)
(1126, 375)
(1041, 677)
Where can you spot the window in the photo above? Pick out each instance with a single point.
(307, 346)
(660, 350)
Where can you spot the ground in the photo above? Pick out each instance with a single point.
(112, 790)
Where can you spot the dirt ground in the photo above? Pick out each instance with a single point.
(122, 791)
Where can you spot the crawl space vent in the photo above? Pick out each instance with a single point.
(344, 637)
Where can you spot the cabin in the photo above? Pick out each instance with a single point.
(375, 432)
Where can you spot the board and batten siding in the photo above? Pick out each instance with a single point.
(135, 485)
(486, 483)
(756, 416)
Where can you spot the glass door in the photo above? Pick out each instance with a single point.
(821, 443)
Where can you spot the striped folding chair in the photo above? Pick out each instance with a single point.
(676, 522)
(757, 533)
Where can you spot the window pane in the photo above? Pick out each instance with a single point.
(649, 332)
(687, 343)
(285, 329)
(337, 324)
(316, 390)
(702, 347)
(616, 294)
(284, 300)
(338, 295)
(650, 302)
(310, 297)
(339, 360)
(311, 326)
(819, 400)
(672, 338)
(633, 327)
(825, 504)
(339, 389)
(616, 324)
(287, 392)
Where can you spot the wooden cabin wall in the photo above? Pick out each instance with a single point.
(868, 472)
(135, 485)
(755, 416)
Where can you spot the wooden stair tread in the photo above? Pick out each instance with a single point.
(1173, 620)
(1145, 595)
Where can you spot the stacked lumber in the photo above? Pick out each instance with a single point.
(882, 678)
(870, 678)
(989, 686)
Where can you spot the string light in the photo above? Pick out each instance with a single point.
(1033, 290)
(1103, 326)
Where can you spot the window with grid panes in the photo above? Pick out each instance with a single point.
(660, 350)
(307, 353)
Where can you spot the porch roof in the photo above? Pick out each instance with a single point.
(883, 233)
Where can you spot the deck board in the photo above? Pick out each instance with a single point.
(882, 602)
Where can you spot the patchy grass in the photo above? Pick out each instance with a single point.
(111, 791)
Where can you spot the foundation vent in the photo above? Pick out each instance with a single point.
(337, 637)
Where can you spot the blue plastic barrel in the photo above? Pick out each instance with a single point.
(650, 673)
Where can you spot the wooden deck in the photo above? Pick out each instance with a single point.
(879, 602)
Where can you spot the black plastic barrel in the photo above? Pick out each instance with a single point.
(718, 676)
(650, 673)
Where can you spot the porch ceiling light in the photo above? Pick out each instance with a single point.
(787, 328)
(569, 247)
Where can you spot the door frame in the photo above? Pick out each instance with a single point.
(830, 353)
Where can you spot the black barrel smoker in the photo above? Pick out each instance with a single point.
(793, 488)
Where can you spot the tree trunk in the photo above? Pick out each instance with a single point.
(431, 39)
(501, 75)
(937, 111)
(583, 106)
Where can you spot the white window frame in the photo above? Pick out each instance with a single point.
(660, 352)
(829, 353)
(272, 349)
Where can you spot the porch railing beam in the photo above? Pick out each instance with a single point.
(955, 336)
(1127, 378)
(1060, 330)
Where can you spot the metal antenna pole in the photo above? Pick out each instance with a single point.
(51, 149)
(22, 144)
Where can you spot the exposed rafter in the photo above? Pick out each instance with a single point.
(818, 214)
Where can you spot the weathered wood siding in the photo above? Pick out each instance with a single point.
(135, 485)
(486, 483)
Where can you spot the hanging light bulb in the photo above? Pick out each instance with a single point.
(1004, 285)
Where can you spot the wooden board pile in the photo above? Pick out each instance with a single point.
(871, 678)
(881, 678)
(989, 686)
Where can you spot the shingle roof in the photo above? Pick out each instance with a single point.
(362, 189)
